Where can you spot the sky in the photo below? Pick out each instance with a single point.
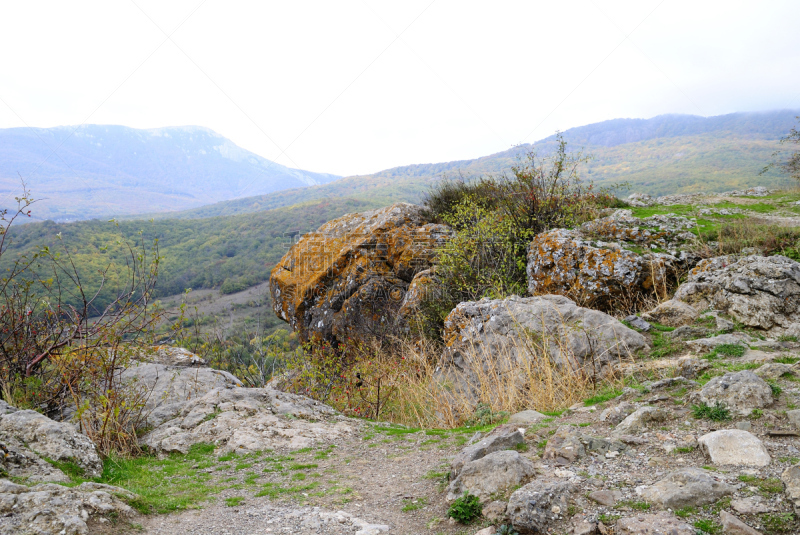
(354, 87)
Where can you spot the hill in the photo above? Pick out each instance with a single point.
(110, 171)
(665, 154)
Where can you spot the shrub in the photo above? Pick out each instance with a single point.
(465, 509)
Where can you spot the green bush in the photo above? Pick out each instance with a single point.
(465, 509)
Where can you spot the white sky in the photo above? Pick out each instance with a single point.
(356, 87)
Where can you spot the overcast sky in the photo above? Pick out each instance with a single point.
(356, 87)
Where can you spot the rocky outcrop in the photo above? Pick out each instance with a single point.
(50, 509)
(506, 337)
(247, 420)
(351, 276)
(492, 475)
(502, 437)
(31, 437)
(757, 291)
(740, 392)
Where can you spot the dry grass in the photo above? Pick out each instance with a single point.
(759, 235)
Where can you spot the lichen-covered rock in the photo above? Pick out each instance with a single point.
(247, 420)
(664, 231)
(564, 262)
(760, 292)
(740, 392)
(49, 509)
(688, 487)
(506, 336)
(492, 475)
(350, 277)
(31, 436)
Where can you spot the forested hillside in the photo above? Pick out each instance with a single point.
(665, 154)
(111, 171)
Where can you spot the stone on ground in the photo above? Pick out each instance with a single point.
(739, 392)
(609, 498)
(752, 505)
(672, 313)
(733, 526)
(638, 420)
(708, 344)
(794, 418)
(775, 370)
(526, 418)
(687, 487)
(537, 505)
(492, 475)
(654, 524)
(734, 447)
(791, 484)
(614, 415)
(502, 437)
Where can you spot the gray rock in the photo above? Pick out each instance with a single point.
(744, 425)
(656, 524)
(583, 526)
(733, 526)
(502, 437)
(609, 498)
(494, 474)
(734, 447)
(638, 420)
(538, 505)
(638, 323)
(5, 408)
(49, 509)
(505, 336)
(791, 485)
(760, 292)
(494, 511)
(614, 415)
(707, 344)
(794, 418)
(687, 332)
(687, 487)
(59, 441)
(526, 418)
(565, 445)
(740, 392)
(752, 505)
(672, 313)
(670, 382)
(775, 370)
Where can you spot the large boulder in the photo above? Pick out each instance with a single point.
(350, 277)
(49, 509)
(31, 437)
(246, 420)
(492, 475)
(508, 337)
(502, 437)
(740, 392)
(734, 447)
(757, 291)
(687, 487)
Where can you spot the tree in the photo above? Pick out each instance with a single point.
(786, 160)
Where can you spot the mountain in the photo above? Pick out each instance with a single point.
(93, 171)
(664, 154)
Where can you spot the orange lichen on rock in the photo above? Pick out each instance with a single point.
(350, 276)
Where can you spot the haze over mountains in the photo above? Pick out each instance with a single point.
(110, 171)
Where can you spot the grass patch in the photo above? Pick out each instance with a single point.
(300, 466)
(685, 512)
(636, 506)
(414, 504)
(778, 522)
(766, 486)
(730, 350)
(706, 525)
(234, 501)
(603, 396)
(717, 413)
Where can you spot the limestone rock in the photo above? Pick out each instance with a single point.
(49, 509)
(494, 511)
(751, 505)
(687, 487)
(733, 526)
(794, 418)
(638, 323)
(502, 437)
(638, 420)
(493, 474)
(247, 420)
(526, 418)
(29, 432)
(734, 447)
(609, 498)
(775, 370)
(687, 332)
(507, 335)
(564, 262)
(614, 415)
(672, 313)
(537, 505)
(740, 392)
(655, 524)
(707, 344)
(349, 278)
(564, 444)
(791, 484)
(760, 292)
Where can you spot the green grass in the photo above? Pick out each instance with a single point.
(234, 501)
(164, 485)
(717, 413)
(778, 523)
(636, 506)
(274, 490)
(730, 350)
(414, 504)
(603, 396)
(300, 466)
(685, 512)
(766, 486)
(706, 525)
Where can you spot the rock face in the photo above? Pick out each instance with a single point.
(760, 292)
(506, 335)
(493, 474)
(534, 507)
(734, 447)
(502, 437)
(564, 262)
(659, 524)
(50, 509)
(740, 392)
(350, 277)
(29, 436)
(247, 420)
(688, 487)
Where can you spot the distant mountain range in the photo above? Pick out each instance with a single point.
(665, 154)
(106, 171)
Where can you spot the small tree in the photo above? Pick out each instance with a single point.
(787, 161)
